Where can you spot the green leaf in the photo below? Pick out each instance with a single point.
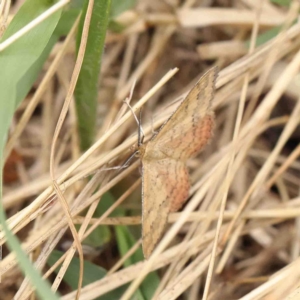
(98, 237)
(265, 36)
(125, 241)
(43, 288)
(86, 92)
(282, 2)
(102, 234)
(18, 69)
(116, 27)
(91, 274)
(117, 6)
(66, 21)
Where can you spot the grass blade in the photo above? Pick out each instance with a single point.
(18, 69)
(87, 85)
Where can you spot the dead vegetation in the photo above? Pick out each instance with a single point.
(238, 237)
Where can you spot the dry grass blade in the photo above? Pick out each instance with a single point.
(237, 236)
(62, 117)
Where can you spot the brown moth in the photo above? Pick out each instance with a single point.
(165, 179)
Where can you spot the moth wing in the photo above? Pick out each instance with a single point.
(165, 187)
(190, 127)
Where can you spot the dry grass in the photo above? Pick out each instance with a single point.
(245, 203)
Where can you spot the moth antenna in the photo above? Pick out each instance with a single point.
(125, 102)
(141, 134)
(118, 168)
(140, 129)
(129, 159)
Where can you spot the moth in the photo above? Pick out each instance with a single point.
(165, 178)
